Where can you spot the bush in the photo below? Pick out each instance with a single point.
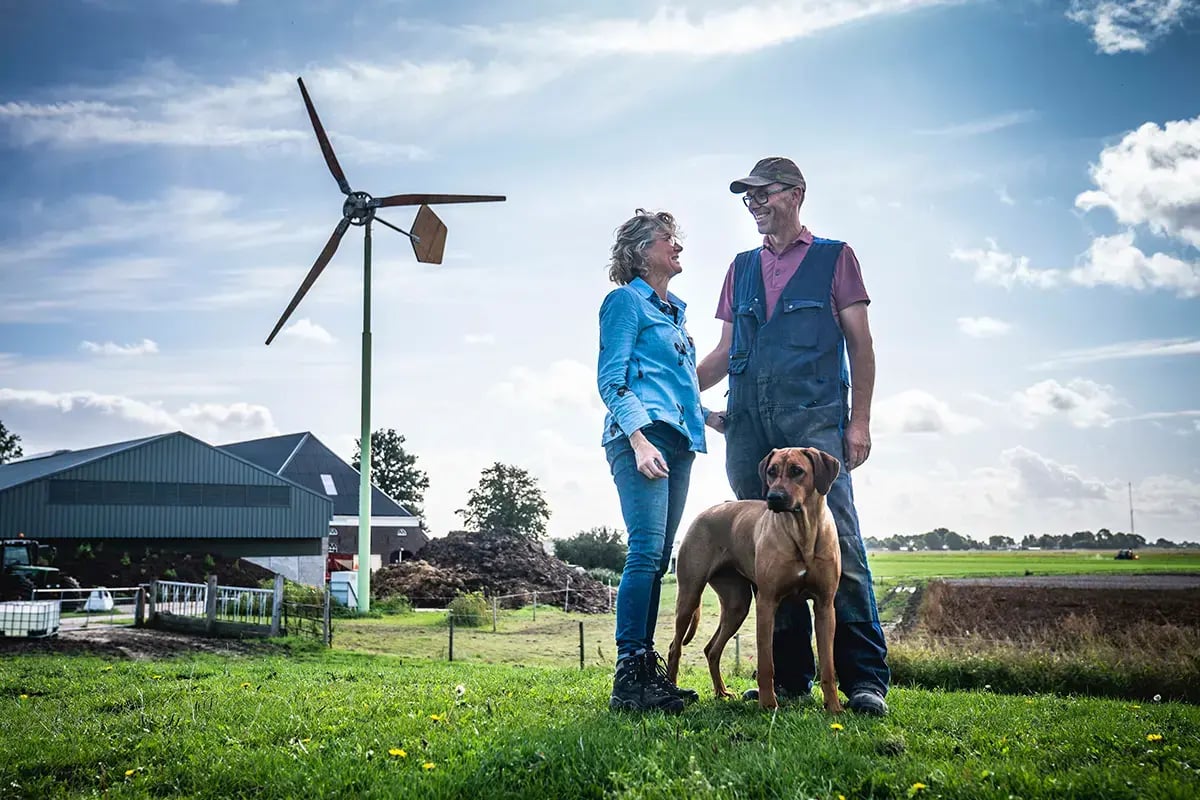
(393, 604)
(469, 610)
(606, 576)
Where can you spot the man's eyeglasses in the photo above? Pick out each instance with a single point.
(761, 196)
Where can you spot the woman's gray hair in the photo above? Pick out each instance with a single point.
(633, 237)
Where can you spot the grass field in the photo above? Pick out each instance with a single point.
(889, 565)
(336, 724)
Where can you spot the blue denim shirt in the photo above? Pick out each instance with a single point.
(647, 365)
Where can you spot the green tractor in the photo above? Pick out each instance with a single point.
(22, 573)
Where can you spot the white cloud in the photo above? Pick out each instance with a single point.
(1085, 403)
(981, 126)
(565, 385)
(1044, 479)
(306, 330)
(1144, 348)
(145, 347)
(983, 327)
(916, 411)
(1120, 26)
(1004, 197)
(209, 421)
(1152, 177)
(1166, 496)
(676, 32)
(1116, 261)
(479, 338)
(994, 266)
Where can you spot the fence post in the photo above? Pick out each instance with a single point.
(328, 619)
(494, 611)
(535, 606)
(151, 600)
(581, 644)
(277, 605)
(737, 654)
(567, 601)
(210, 605)
(610, 593)
(451, 635)
(139, 608)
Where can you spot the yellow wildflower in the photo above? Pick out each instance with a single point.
(837, 726)
(397, 752)
(1153, 737)
(23, 697)
(436, 717)
(129, 772)
(915, 788)
(245, 685)
(428, 765)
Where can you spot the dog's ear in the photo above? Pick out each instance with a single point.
(762, 471)
(825, 469)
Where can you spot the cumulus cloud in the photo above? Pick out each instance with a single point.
(983, 327)
(916, 411)
(306, 330)
(1152, 177)
(1167, 496)
(1116, 261)
(1042, 478)
(1120, 26)
(209, 421)
(999, 268)
(1085, 403)
(145, 347)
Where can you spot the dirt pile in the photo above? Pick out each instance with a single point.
(1018, 608)
(499, 562)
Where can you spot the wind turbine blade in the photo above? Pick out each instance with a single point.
(330, 248)
(430, 233)
(432, 199)
(323, 140)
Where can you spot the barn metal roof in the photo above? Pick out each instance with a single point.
(36, 467)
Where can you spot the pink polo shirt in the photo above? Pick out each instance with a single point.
(778, 269)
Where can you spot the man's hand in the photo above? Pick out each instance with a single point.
(857, 443)
(716, 421)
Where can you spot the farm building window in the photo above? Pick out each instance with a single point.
(151, 493)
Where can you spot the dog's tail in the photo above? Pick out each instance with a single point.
(692, 625)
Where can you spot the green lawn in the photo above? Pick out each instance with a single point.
(336, 724)
(888, 565)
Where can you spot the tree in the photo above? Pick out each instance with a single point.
(10, 445)
(394, 470)
(1000, 542)
(598, 547)
(507, 497)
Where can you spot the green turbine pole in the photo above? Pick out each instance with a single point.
(364, 460)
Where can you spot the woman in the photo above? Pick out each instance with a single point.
(653, 430)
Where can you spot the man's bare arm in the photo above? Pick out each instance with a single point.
(861, 350)
(715, 365)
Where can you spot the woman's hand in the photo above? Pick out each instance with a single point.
(650, 461)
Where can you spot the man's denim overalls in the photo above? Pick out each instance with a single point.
(789, 387)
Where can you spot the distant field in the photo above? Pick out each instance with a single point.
(888, 566)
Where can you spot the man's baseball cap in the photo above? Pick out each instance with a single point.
(774, 169)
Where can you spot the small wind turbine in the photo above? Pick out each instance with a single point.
(428, 237)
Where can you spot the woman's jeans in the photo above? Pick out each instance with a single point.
(652, 509)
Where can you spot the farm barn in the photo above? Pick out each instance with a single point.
(171, 492)
(303, 459)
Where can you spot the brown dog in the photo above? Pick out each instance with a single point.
(789, 543)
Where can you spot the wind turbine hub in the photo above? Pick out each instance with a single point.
(358, 209)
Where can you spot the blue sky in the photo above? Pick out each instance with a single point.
(1020, 181)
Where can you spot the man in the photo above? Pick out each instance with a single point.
(793, 309)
